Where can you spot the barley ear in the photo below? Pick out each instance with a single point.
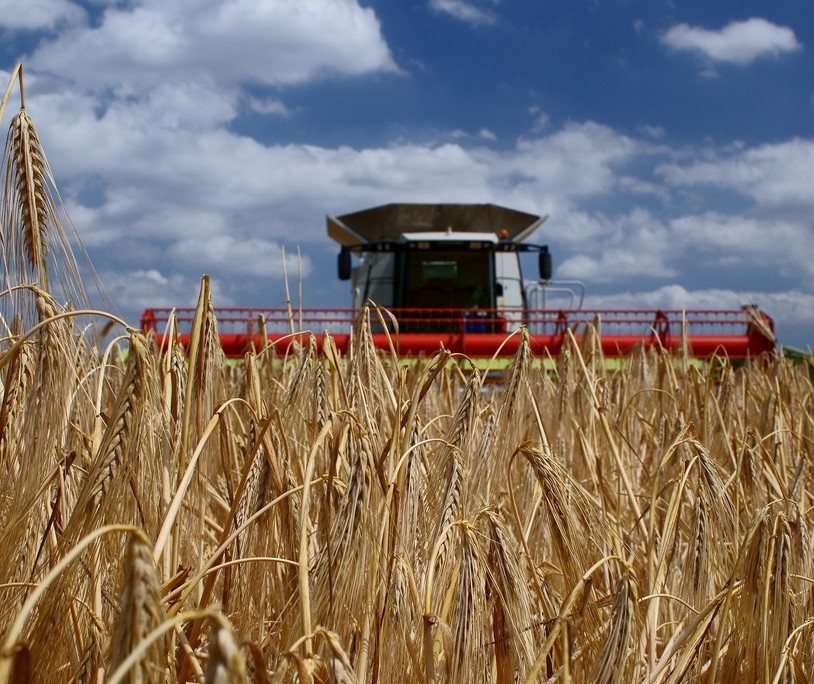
(226, 663)
(28, 169)
(122, 427)
(141, 610)
(612, 666)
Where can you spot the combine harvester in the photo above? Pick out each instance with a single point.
(450, 275)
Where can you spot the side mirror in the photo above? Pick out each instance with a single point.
(545, 264)
(343, 265)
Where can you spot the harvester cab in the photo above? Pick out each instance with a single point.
(436, 262)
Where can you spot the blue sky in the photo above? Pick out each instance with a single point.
(672, 144)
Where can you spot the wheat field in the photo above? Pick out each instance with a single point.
(166, 516)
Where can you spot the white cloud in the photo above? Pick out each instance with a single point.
(541, 120)
(651, 131)
(618, 249)
(750, 243)
(772, 175)
(671, 297)
(149, 288)
(739, 42)
(235, 255)
(226, 43)
(614, 265)
(39, 14)
(482, 134)
(792, 310)
(790, 305)
(464, 11)
(269, 105)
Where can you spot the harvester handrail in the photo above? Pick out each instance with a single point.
(154, 316)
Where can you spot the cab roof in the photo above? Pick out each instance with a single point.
(392, 221)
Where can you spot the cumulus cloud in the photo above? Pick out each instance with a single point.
(614, 265)
(739, 42)
(750, 243)
(267, 189)
(771, 175)
(606, 250)
(792, 310)
(269, 105)
(34, 15)
(792, 305)
(651, 131)
(271, 43)
(465, 11)
(149, 288)
(238, 256)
